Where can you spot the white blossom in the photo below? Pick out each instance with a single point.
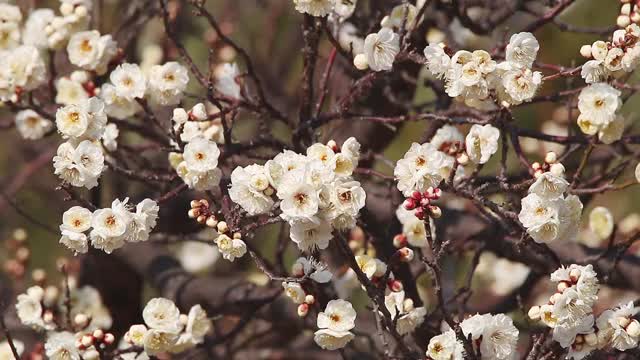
(32, 125)
(61, 346)
(613, 327)
(422, 166)
(129, 81)
(248, 187)
(167, 83)
(230, 248)
(482, 142)
(317, 8)
(227, 79)
(381, 49)
(445, 347)
(162, 314)
(522, 49)
(91, 51)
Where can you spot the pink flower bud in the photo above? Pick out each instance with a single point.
(399, 241)
(419, 213)
(395, 285)
(409, 204)
(303, 310)
(406, 254)
(425, 202)
(416, 195)
(109, 338)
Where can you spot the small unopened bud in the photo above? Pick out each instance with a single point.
(22, 254)
(635, 17)
(625, 9)
(557, 169)
(109, 338)
(562, 286)
(332, 144)
(416, 195)
(591, 339)
(297, 270)
(555, 297)
(419, 213)
(204, 202)
(399, 241)
(406, 254)
(536, 166)
(98, 334)
(309, 299)
(81, 11)
(623, 21)
(193, 213)
(212, 222)
(395, 285)
(409, 204)
(237, 235)
(91, 355)
(222, 227)
(87, 340)
(551, 157)
(184, 319)
(425, 202)
(534, 313)
(201, 219)
(538, 173)
(47, 317)
(199, 112)
(81, 320)
(574, 275)
(39, 276)
(585, 51)
(268, 191)
(633, 328)
(436, 212)
(195, 204)
(303, 310)
(463, 159)
(66, 9)
(20, 235)
(360, 62)
(623, 321)
(407, 304)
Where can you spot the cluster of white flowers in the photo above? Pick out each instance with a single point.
(547, 214)
(196, 123)
(21, 69)
(317, 193)
(197, 165)
(44, 308)
(166, 330)
(424, 166)
(230, 247)
(494, 335)
(474, 76)
(612, 58)
(569, 313)
(599, 104)
(334, 325)
(112, 227)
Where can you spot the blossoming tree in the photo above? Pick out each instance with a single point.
(210, 214)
